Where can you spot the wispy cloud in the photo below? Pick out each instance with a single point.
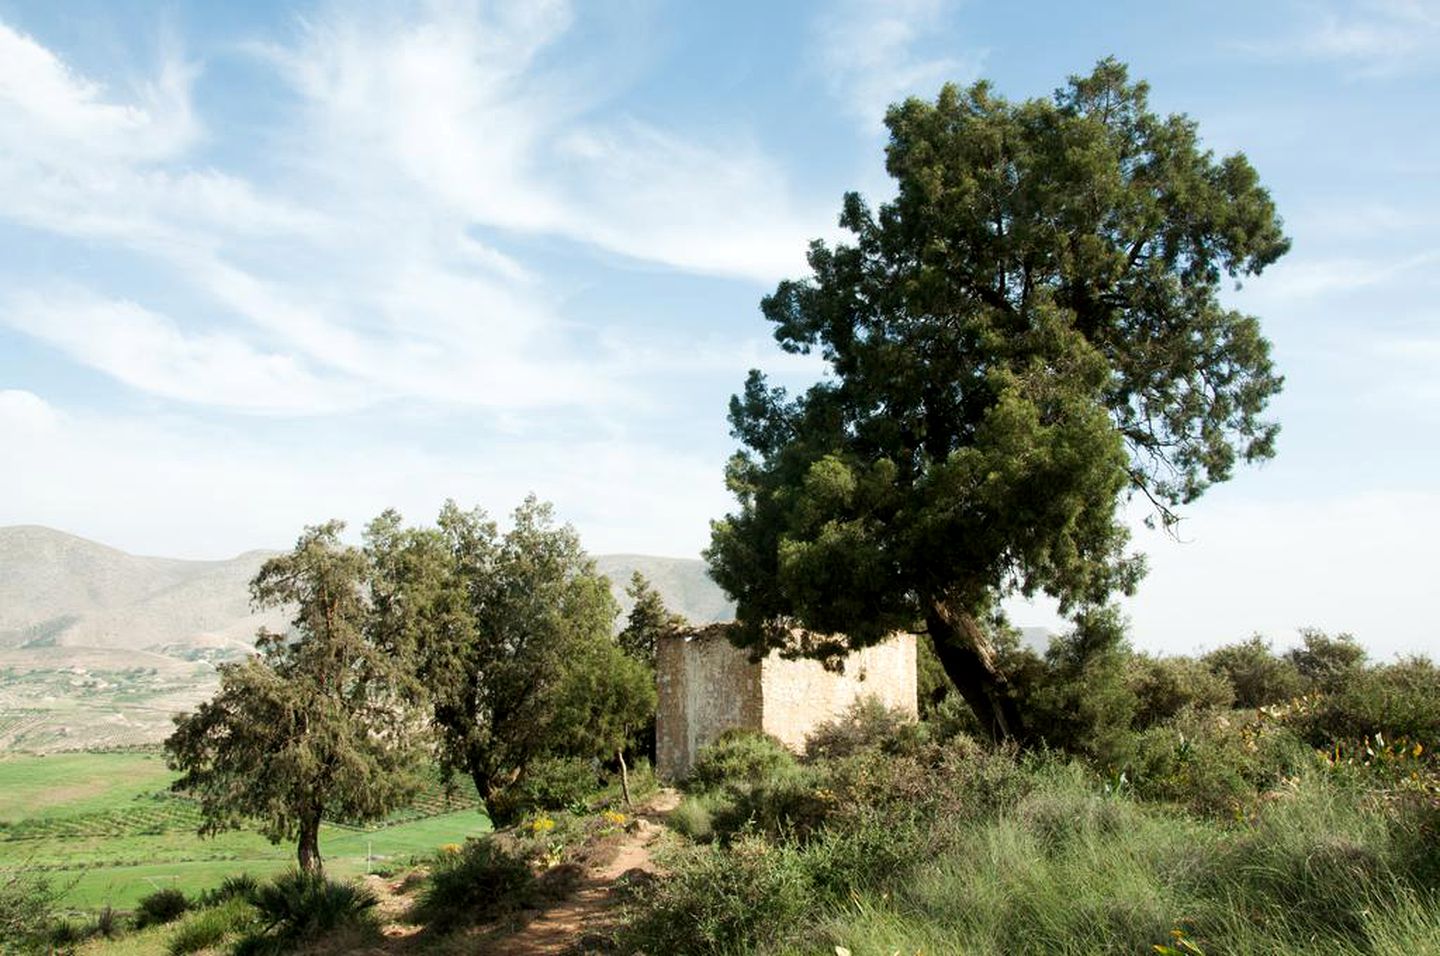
(877, 52)
(360, 277)
(1375, 37)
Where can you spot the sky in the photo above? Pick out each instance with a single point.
(266, 264)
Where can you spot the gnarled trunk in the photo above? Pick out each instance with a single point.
(969, 661)
(308, 849)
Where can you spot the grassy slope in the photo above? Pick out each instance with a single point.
(111, 845)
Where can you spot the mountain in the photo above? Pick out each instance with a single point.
(99, 647)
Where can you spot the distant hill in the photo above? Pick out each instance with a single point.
(58, 590)
(99, 647)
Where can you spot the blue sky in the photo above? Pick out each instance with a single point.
(265, 264)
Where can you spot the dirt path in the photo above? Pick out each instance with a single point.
(569, 926)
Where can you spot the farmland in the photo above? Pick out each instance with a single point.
(104, 827)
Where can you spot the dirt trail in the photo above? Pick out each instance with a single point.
(567, 925)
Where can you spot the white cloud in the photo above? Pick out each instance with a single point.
(358, 277)
(1377, 37)
(876, 52)
(150, 352)
(25, 414)
(462, 106)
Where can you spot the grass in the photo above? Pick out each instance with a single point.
(66, 785)
(94, 823)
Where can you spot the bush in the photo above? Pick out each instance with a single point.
(299, 907)
(1164, 687)
(867, 724)
(208, 928)
(475, 884)
(1395, 700)
(1326, 662)
(160, 907)
(238, 886)
(737, 900)
(1216, 765)
(27, 906)
(695, 815)
(740, 758)
(552, 783)
(1257, 676)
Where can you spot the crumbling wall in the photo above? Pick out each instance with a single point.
(798, 695)
(707, 686)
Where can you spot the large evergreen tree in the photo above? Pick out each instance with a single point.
(1028, 334)
(317, 725)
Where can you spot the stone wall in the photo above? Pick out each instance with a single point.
(707, 686)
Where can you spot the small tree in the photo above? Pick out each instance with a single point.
(607, 696)
(648, 621)
(315, 726)
(506, 627)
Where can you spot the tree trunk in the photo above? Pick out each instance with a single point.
(308, 850)
(486, 791)
(969, 661)
(624, 776)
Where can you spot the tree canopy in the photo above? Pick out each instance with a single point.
(318, 724)
(1029, 333)
(512, 638)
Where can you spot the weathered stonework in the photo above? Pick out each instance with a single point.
(707, 686)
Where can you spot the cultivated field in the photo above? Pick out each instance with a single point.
(105, 827)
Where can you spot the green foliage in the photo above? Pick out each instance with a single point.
(1030, 332)
(648, 621)
(512, 636)
(479, 881)
(867, 724)
(162, 906)
(1400, 700)
(27, 907)
(734, 900)
(550, 783)
(739, 759)
(1080, 702)
(316, 725)
(209, 927)
(1214, 765)
(1326, 662)
(1257, 676)
(299, 907)
(238, 886)
(1165, 687)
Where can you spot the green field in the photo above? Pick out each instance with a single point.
(104, 826)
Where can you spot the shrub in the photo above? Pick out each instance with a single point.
(1080, 702)
(792, 805)
(867, 724)
(208, 928)
(552, 783)
(1395, 700)
(1164, 687)
(1326, 662)
(1216, 765)
(480, 881)
(1258, 677)
(695, 815)
(741, 899)
(740, 758)
(27, 905)
(299, 907)
(238, 886)
(162, 906)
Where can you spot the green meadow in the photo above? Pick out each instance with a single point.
(104, 827)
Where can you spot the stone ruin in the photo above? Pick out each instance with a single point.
(708, 685)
